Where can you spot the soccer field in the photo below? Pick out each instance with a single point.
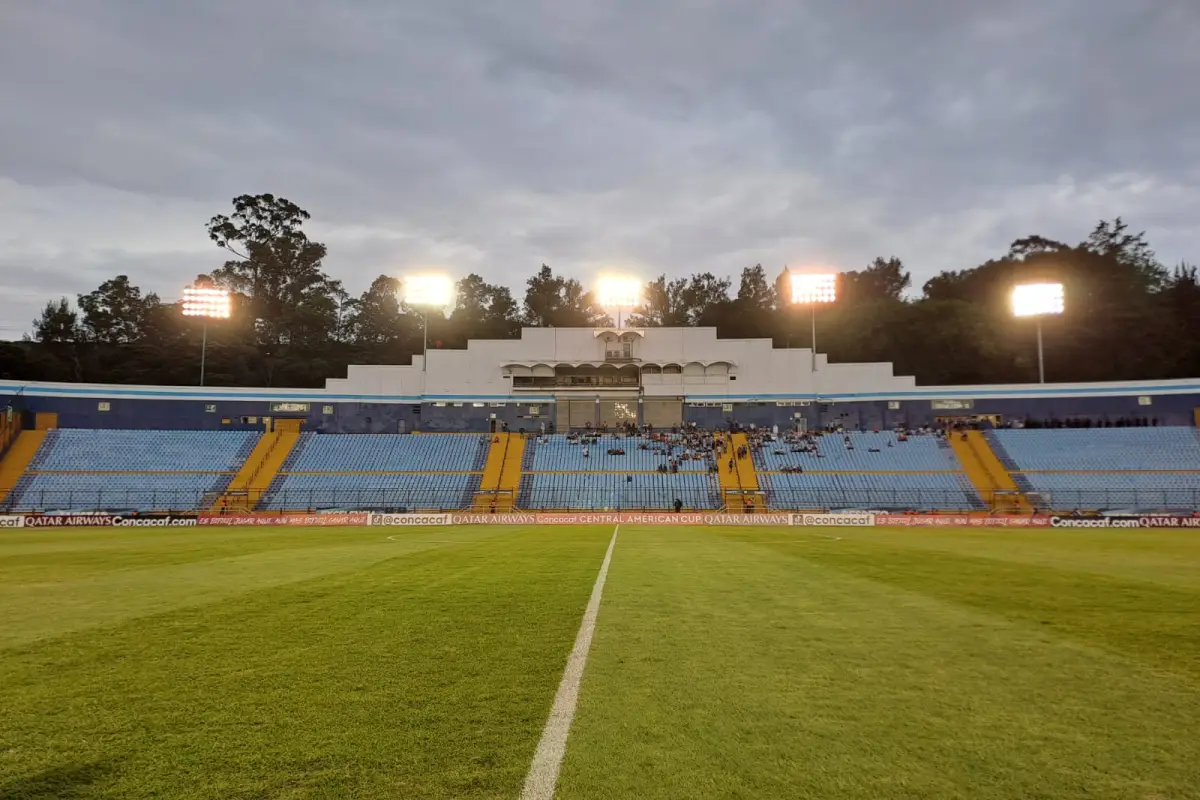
(726, 662)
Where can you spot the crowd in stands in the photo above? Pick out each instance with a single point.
(681, 448)
(763, 440)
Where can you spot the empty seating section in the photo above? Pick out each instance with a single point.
(558, 475)
(379, 471)
(872, 470)
(612, 490)
(386, 452)
(78, 470)
(355, 491)
(1126, 468)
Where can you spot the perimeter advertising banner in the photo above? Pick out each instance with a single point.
(303, 520)
(855, 520)
(107, 521)
(1158, 521)
(409, 520)
(958, 521)
(12, 521)
(597, 518)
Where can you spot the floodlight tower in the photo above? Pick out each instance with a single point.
(620, 292)
(423, 293)
(206, 302)
(813, 289)
(1038, 300)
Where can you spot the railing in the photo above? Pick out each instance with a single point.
(692, 496)
(952, 500)
(11, 418)
(192, 500)
(258, 468)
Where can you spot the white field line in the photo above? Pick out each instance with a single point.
(547, 760)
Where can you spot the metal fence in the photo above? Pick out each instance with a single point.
(615, 499)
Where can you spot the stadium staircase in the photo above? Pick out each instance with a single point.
(259, 470)
(20, 454)
(991, 479)
(747, 478)
(727, 473)
(510, 476)
(501, 473)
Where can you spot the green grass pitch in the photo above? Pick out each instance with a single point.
(243, 663)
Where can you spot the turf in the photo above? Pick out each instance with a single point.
(727, 663)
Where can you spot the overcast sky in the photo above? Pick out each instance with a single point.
(655, 135)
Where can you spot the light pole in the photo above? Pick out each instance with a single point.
(813, 289)
(425, 292)
(207, 303)
(618, 292)
(1038, 300)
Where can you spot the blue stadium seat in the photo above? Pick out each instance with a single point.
(379, 471)
(614, 490)
(559, 454)
(557, 475)
(77, 470)
(877, 471)
(1128, 468)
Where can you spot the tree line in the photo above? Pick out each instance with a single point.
(1128, 317)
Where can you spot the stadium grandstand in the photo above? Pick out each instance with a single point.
(610, 418)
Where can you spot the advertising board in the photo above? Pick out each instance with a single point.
(959, 521)
(88, 520)
(12, 521)
(851, 520)
(300, 520)
(414, 520)
(622, 518)
(1118, 522)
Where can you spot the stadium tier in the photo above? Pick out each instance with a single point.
(130, 470)
(618, 472)
(379, 471)
(880, 470)
(1137, 468)
(1110, 468)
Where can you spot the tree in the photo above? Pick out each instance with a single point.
(1031, 245)
(883, 279)
(58, 324)
(116, 313)
(554, 301)
(755, 292)
(1126, 316)
(291, 300)
(378, 317)
(1131, 251)
(483, 311)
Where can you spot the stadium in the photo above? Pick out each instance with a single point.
(795, 578)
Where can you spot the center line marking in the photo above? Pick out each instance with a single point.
(547, 760)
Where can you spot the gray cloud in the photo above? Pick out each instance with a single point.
(662, 137)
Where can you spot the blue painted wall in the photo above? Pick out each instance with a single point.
(389, 417)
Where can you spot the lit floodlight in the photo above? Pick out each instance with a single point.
(433, 291)
(618, 291)
(810, 289)
(1037, 299)
(210, 303)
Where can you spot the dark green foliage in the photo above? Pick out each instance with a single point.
(1127, 318)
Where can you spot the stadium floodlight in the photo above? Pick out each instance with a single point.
(1038, 300)
(620, 292)
(425, 292)
(206, 302)
(429, 291)
(813, 289)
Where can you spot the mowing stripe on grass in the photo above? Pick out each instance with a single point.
(547, 760)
